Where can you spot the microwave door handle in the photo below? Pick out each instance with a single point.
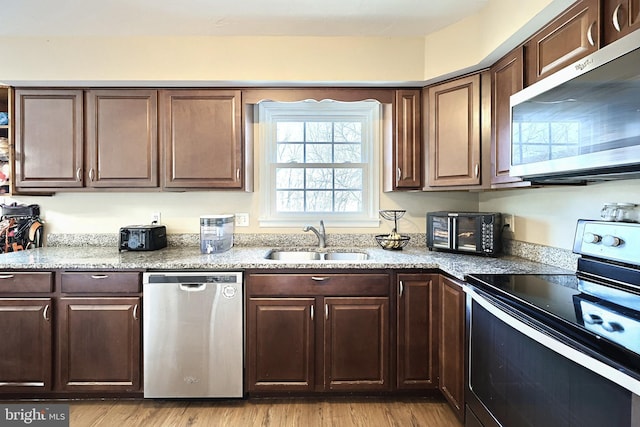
(453, 233)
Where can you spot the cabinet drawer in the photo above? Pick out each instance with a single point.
(101, 281)
(12, 281)
(318, 284)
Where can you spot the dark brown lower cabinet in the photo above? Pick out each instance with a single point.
(416, 331)
(99, 344)
(25, 345)
(281, 344)
(452, 336)
(356, 343)
(318, 332)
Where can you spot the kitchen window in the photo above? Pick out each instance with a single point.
(319, 161)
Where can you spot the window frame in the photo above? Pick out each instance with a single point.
(370, 111)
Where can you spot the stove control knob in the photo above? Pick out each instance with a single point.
(612, 327)
(591, 238)
(592, 319)
(613, 241)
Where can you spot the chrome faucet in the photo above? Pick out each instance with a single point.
(321, 234)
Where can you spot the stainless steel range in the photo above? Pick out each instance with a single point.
(559, 350)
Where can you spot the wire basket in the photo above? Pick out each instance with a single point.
(392, 242)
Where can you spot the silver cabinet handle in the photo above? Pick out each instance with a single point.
(135, 312)
(45, 313)
(477, 170)
(92, 174)
(401, 289)
(320, 279)
(326, 311)
(6, 276)
(590, 38)
(99, 276)
(616, 18)
(398, 174)
(238, 174)
(312, 312)
(79, 174)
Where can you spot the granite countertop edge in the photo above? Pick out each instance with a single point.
(246, 258)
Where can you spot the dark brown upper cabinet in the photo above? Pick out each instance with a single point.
(122, 138)
(454, 136)
(201, 134)
(619, 18)
(49, 144)
(403, 156)
(507, 78)
(571, 36)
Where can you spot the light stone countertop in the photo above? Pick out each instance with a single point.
(242, 257)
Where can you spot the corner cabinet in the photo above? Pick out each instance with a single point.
(571, 36)
(457, 114)
(317, 332)
(201, 139)
(452, 343)
(417, 356)
(403, 155)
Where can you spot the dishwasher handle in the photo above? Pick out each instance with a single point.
(193, 287)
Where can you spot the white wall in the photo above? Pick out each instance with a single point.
(548, 216)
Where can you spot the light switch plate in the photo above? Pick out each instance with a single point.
(509, 223)
(242, 220)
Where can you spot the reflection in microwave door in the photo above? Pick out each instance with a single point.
(466, 234)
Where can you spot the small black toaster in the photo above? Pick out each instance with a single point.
(143, 237)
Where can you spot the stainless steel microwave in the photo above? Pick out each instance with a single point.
(582, 123)
(465, 232)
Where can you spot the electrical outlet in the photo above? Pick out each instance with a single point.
(155, 218)
(509, 223)
(242, 219)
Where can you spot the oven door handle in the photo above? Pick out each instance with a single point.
(551, 343)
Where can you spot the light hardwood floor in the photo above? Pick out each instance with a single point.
(361, 412)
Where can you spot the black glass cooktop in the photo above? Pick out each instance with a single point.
(558, 302)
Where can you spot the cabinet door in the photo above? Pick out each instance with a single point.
(99, 348)
(49, 138)
(122, 138)
(454, 132)
(26, 351)
(571, 36)
(620, 17)
(356, 344)
(201, 138)
(508, 78)
(452, 336)
(416, 331)
(403, 159)
(280, 344)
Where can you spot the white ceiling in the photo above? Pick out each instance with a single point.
(388, 18)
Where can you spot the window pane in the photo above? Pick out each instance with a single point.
(319, 178)
(348, 153)
(348, 201)
(348, 179)
(290, 153)
(319, 201)
(318, 153)
(348, 132)
(290, 201)
(289, 178)
(290, 131)
(319, 132)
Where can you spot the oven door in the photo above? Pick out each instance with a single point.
(520, 375)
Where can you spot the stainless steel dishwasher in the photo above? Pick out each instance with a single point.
(193, 334)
